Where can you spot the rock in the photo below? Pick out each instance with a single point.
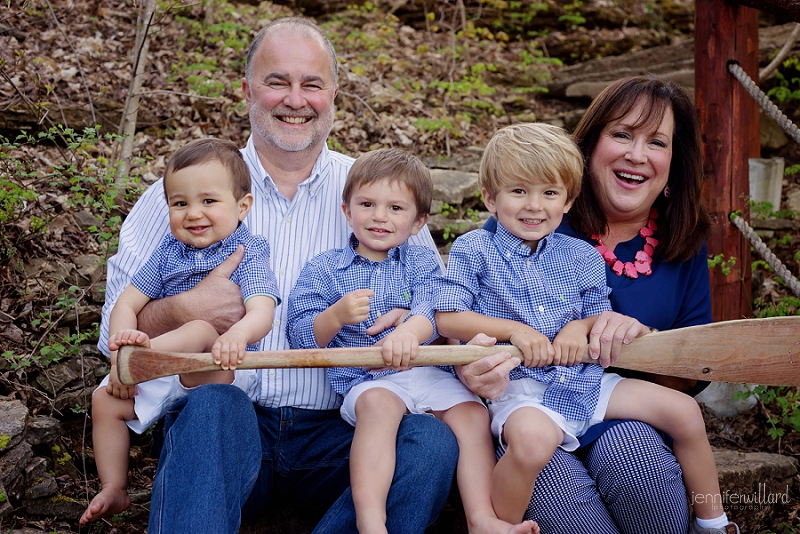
(13, 415)
(718, 397)
(771, 134)
(752, 484)
(793, 200)
(77, 398)
(13, 463)
(453, 186)
(88, 269)
(55, 377)
(42, 429)
(36, 468)
(86, 219)
(437, 223)
(42, 487)
(98, 293)
(59, 506)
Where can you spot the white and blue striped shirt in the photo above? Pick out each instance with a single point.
(296, 229)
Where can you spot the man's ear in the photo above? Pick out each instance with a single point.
(488, 201)
(246, 91)
(245, 203)
(419, 223)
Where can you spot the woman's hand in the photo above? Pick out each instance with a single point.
(487, 377)
(609, 333)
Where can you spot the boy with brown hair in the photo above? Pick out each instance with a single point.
(207, 189)
(341, 293)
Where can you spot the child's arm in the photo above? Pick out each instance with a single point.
(401, 346)
(571, 342)
(352, 308)
(120, 324)
(536, 348)
(229, 348)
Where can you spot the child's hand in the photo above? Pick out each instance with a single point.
(399, 348)
(229, 349)
(570, 344)
(536, 348)
(353, 308)
(117, 388)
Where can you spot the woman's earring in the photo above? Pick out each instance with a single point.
(667, 191)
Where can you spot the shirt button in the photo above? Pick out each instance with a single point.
(527, 262)
(561, 379)
(378, 270)
(282, 271)
(541, 309)
(392, 262)
(288, 219)
(508, 254)
(199, 255)
(378, 313)
(277, 322)
(272, 374)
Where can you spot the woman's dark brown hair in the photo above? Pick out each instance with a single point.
(684, 222)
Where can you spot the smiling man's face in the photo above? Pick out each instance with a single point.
(291, 93)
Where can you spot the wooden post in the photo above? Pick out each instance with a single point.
(730, 125)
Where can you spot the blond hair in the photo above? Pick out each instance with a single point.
(531, 153)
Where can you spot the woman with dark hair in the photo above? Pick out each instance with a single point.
(641, 206)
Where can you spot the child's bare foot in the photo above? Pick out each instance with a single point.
(128, 337)
(492, 525)
(108, 502)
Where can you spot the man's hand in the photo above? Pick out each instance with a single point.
(487, 377)
(536, 348)
(353, 308)
(609, 333)
(215, 299)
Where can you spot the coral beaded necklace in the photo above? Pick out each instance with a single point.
(643, 259)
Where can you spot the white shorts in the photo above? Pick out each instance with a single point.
(528, 392)
(152, 400)
(422, 390)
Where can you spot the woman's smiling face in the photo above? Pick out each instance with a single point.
(630, 165)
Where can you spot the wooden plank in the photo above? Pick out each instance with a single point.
(729, 122)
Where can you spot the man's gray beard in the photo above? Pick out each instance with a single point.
(272, 137)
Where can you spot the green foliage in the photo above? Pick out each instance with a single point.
(787, 85)
(784, 306)
(783, 405)
(572, 14)
(720, 261)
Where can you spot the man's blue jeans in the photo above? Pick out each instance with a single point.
(221, 453)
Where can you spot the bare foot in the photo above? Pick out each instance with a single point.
(108, 502)
(492, 525)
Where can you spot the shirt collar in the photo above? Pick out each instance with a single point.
(349, 254)
(509, 244)
(263, 181)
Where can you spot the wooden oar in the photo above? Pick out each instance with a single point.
(756, 351)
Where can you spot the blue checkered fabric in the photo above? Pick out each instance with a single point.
(496, 275)
(407, 278)
(175, 267)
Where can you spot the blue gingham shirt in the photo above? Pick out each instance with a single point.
(563, 280)
(407, 278)
(175, 267)
(297, 229)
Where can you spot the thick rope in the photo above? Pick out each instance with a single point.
(764, 101)
(767, 254)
